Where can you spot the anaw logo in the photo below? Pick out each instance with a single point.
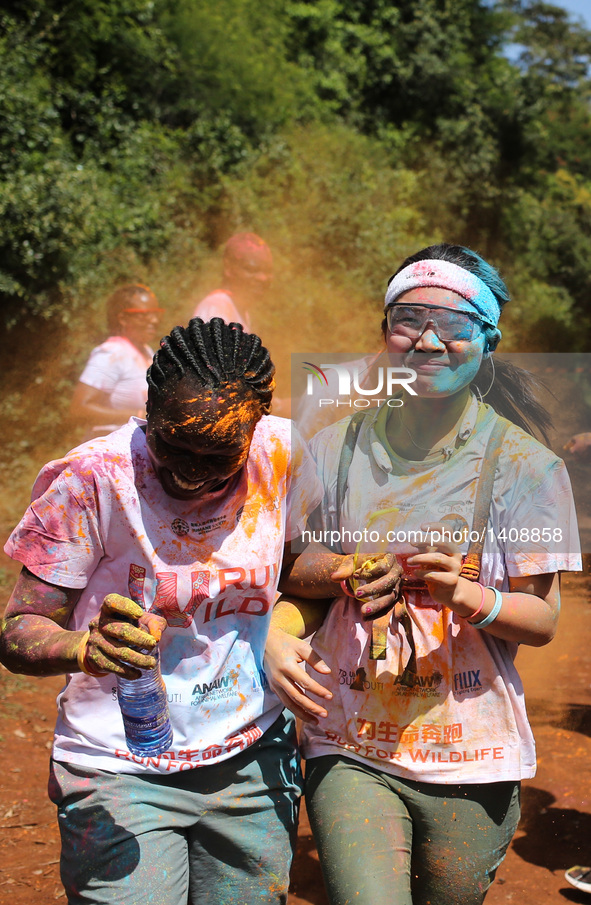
(382, 380)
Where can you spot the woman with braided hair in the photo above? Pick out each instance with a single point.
(182, 517)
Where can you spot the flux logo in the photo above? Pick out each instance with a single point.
(387, 380)
(465, 682)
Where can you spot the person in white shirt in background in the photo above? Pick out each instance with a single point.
(112, 386)
(247, 276)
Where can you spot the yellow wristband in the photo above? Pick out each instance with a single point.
(81, 656)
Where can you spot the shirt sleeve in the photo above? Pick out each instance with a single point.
(326, 447)
(539, 532)
(219, 304)
(304, 487)
(58, 539)
(103, 368)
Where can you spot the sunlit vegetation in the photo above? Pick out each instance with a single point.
(136, 136)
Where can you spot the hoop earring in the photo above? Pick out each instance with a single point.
(475, 386)
(492, 364)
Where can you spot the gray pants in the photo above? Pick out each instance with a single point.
(216, 835)
(383, 840)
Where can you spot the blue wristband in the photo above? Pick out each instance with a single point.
(494, 612)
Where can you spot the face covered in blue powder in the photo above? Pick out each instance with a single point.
(440, 335)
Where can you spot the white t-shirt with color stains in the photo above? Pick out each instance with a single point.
(118, 368)
(461, 717)
(100, 521)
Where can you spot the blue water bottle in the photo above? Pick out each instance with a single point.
(144, 708)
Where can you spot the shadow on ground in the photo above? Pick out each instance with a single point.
(555, 838)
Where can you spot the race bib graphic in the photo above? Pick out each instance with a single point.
(214, 595)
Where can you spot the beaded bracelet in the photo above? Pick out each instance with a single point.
(476, 612)
(494, 612)
(81, 658)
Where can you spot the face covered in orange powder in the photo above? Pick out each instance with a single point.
(199, 438)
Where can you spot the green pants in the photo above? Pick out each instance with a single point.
(215, 835)
(383, 840)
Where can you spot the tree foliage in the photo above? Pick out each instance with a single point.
(132, 128)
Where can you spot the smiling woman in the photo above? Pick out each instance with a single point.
(112, 386)
(415, 758)
(194, 452)
(185, 517)
(202, 415)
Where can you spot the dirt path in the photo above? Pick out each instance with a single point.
(554, 834)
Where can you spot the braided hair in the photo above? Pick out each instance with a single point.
(213, 353)
(513, 391)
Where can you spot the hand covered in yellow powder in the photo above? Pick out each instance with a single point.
(121, 637)
(382, 575)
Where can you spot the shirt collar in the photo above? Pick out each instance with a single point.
(383, 453)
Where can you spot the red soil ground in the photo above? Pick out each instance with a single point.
(555, 831)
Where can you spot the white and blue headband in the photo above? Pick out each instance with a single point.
(445, 275)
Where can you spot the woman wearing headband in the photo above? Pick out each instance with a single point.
(415, 751)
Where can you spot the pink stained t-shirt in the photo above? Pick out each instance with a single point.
(221, 304)
(462, 717)
(100, 521)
